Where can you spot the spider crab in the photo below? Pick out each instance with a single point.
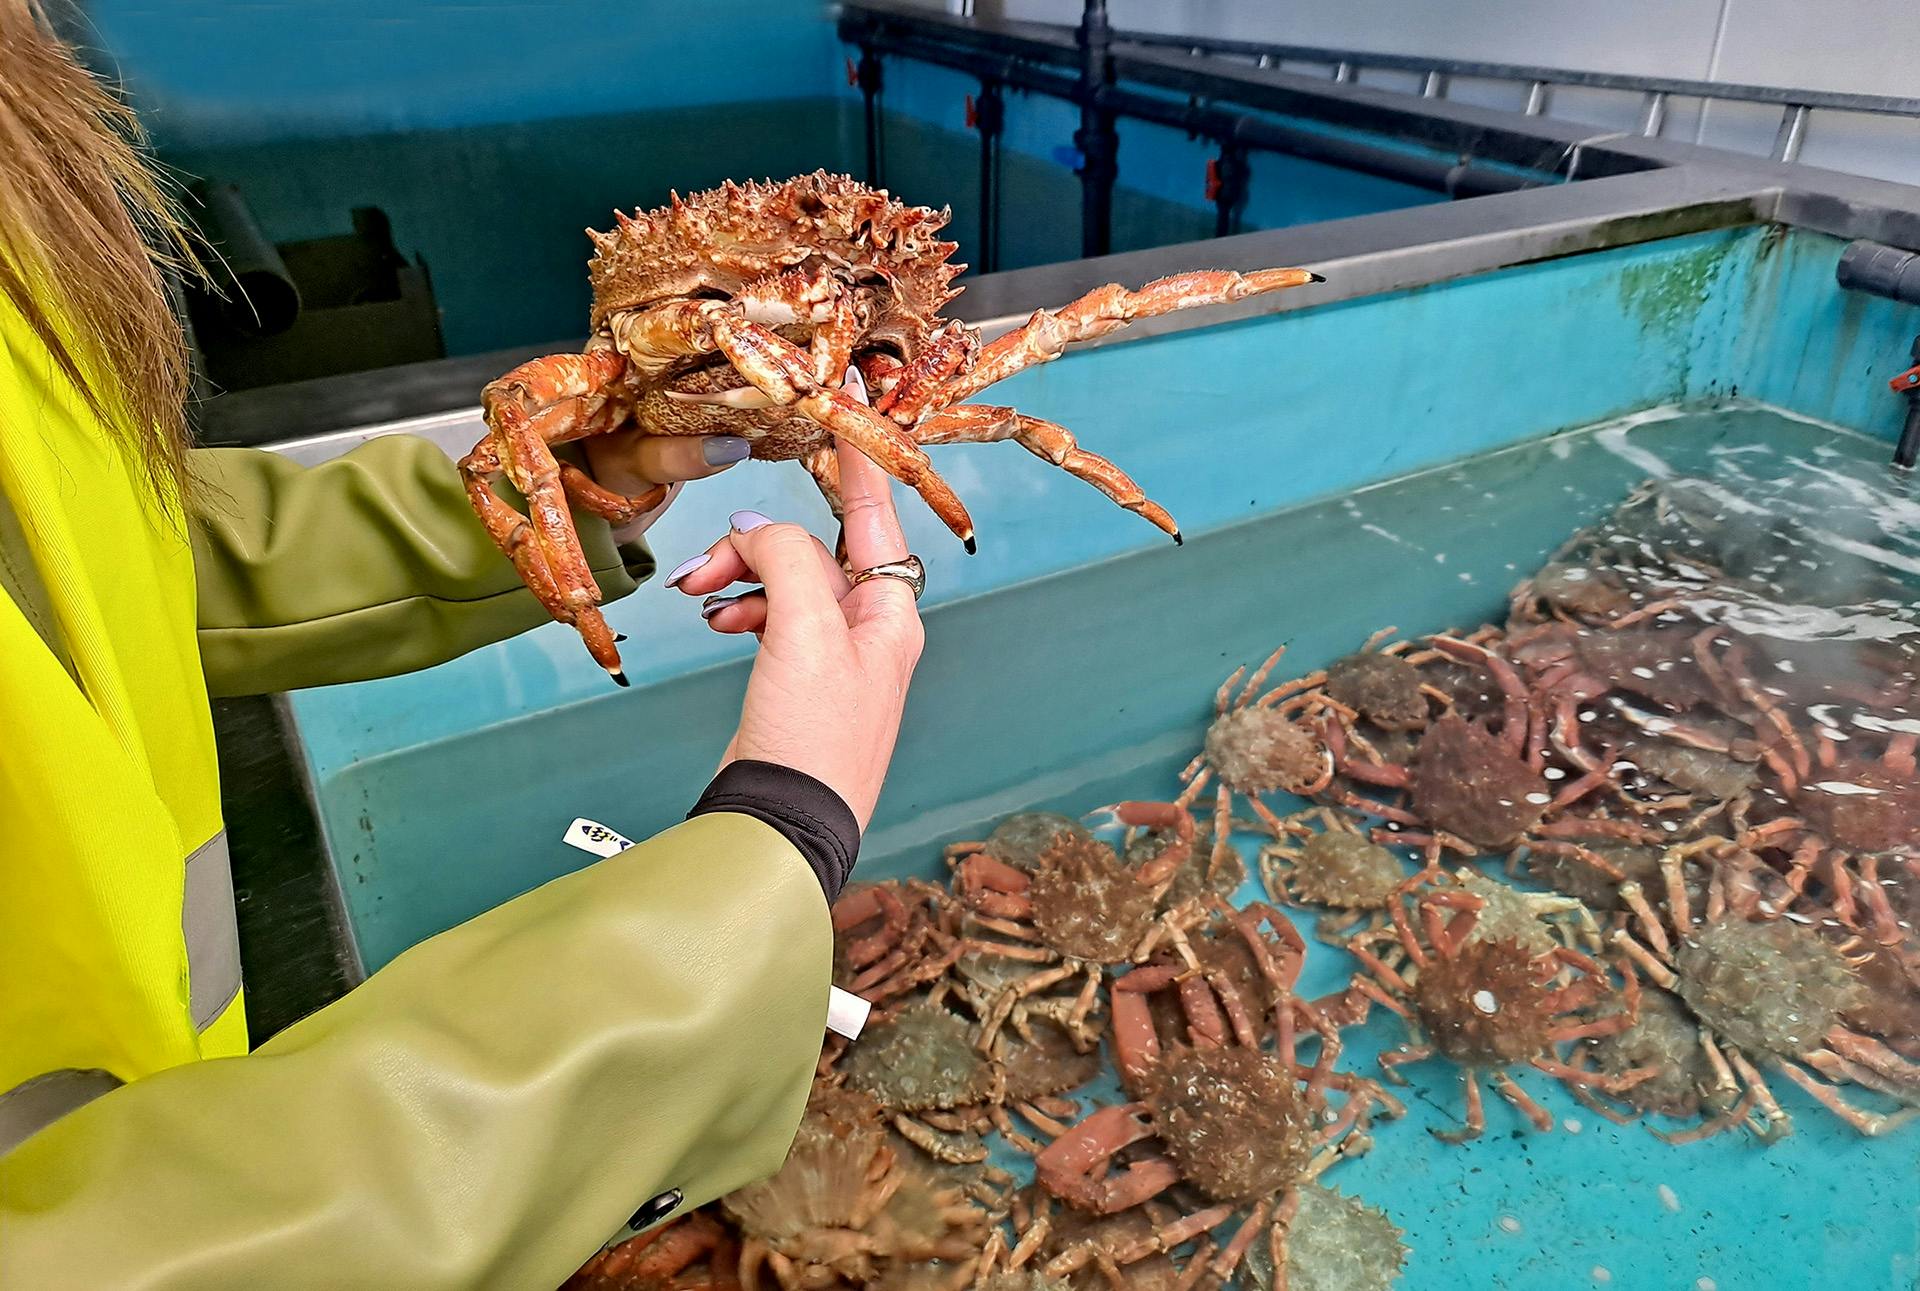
(1235, 1112)
(736, 311)
(1487, 1004)
(1769, 992)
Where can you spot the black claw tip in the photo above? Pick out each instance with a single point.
(972, 546)
(1178, 541)
(619, 636)
(1314, 277)
(619, 678)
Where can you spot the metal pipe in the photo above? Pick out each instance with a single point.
(1655, 114)
(990, 118)
(1460, 178)
(1793, 130)
(1097, 140)
(1435, 86)
(1537, 98)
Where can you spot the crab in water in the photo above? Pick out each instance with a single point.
(890, 938)
(1255, 746)
(692, 1254)
(815, 1218)
(1243, 1123)
(1337, 1243)
(1079, 910)
(735, 312)
(1769, 992)
(1487, 1005)
(1335, 866)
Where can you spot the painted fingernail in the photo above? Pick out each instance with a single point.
(686, 567)
(745, 521)
(725, 450)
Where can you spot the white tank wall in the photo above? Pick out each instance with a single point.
(1860, 46)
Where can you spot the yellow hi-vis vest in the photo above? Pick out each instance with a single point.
(117, 949)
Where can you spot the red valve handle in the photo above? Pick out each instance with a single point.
(973, 113)
(1213, 179)
(1908, 380)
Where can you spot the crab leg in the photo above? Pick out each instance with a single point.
(784, 372)
(987, 424)
(1045, 335)
(1476, 1113)
(517, 447)
(913, 387)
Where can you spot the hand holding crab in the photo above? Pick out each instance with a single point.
(733, 313)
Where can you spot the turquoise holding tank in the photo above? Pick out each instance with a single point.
(1396, 460)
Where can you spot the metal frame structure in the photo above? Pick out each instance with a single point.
(1089, 66)
(297, 948)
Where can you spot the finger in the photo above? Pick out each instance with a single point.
(723, 565)
(801, 596)
(869, 524)
(737, 614)
(665, 459)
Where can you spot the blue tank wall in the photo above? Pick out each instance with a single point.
(216, 73)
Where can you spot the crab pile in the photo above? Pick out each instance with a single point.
(1622, 843)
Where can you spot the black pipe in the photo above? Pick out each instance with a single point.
(1097, 139)
(1880, 270)
(257, 294)
(1466, 177)
(1227, 187)
(1892, 273)
(990, 118)
(872, 79)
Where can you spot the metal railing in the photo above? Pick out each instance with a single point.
(1345, 65)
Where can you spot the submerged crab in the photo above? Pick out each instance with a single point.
(1335, 866)
(1079, 910)
(1255, 747)
(692, 1254)
(736, 312)
(1336, 1243)
(1767, 991)
(813, 1220)
(1487, 1005)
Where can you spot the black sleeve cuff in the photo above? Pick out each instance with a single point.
(812, 817)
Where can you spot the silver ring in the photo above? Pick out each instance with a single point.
(909, 571)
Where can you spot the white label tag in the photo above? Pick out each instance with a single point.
(592, 836)
(846, 1013)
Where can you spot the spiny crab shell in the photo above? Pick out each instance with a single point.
(1234, 1120)
(716, 242)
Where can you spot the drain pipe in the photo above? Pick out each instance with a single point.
(1890, 273)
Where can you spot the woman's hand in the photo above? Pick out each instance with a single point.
(830, 682)
(630, 462)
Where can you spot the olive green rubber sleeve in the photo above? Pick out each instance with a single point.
(368, 565)
(484, 1112)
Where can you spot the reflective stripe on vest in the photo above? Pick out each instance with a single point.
(212, 936)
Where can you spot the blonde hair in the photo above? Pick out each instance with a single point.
(87, 230)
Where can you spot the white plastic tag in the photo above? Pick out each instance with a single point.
(592, 836)
(846, 1013)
